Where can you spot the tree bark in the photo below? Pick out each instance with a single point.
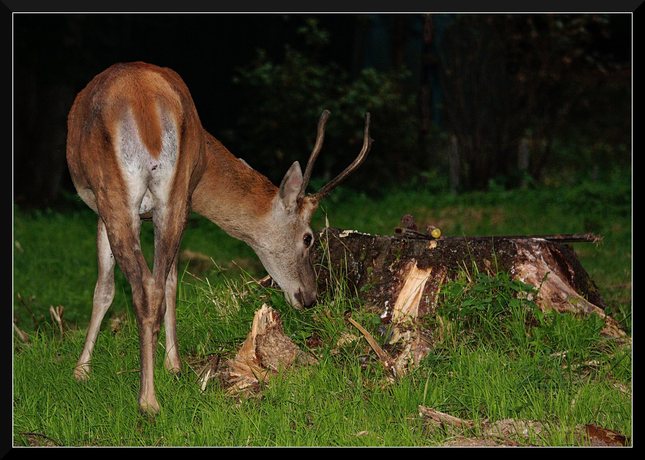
(407, 273)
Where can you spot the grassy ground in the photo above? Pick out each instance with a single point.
(491, 361)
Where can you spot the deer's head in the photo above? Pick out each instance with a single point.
(285, 248)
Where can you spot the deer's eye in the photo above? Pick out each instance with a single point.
(307, 239)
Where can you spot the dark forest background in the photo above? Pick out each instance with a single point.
(458, 102)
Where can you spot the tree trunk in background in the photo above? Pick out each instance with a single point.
(39, 175)
(52, 145)
(358, 51)
(398, 41)
(453, 164)
(42, 102)
(523, 159)
(425, 88)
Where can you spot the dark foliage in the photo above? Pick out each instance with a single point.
(555, 87)
(510, 79)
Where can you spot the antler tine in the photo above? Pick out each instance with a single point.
(367, 144)
(320, 136)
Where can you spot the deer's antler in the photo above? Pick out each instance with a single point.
(367, 144)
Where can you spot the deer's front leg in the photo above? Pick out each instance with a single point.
(103, 296)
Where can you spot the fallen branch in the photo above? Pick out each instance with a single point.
(383, 356)
(31, 434)
(443, 419)
(22, 335)
(57, 316)
(557, 238)
(509, 431)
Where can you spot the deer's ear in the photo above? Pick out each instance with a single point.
(290, 186)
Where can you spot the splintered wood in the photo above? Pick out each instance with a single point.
(409, 344)
(404, 275)
(408, 337)
(265, 351)
(555, 292)
(57, 317)
(406, 306)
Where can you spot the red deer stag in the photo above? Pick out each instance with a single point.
(136, 148)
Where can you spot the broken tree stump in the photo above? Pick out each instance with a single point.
(402, 276)
(265, 351)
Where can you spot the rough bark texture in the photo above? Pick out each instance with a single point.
(380, 268)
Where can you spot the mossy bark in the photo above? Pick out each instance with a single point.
(376, 269)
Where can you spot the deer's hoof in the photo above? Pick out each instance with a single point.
(82, 372)
(172, 365)
(149, 407)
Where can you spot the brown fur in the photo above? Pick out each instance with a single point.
(240, 190)
(206, 177)
(101, 104)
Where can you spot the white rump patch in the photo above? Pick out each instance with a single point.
(148, 179)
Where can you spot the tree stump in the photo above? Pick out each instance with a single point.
(402, 276)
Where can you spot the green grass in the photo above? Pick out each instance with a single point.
(497, 356)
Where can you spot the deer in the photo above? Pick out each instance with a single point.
(136, 149)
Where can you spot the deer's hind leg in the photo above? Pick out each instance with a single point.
(103, 297)
(172, 195)
(172, 362)
(123, 227)
(119, 198)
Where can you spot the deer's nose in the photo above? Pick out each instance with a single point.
(306, 300)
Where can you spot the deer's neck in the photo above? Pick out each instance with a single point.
(233, 195)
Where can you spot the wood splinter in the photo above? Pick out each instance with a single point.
(383, 356)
